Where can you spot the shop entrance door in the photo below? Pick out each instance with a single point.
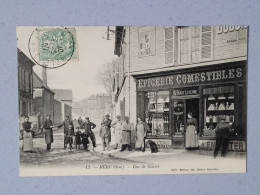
(181, 107)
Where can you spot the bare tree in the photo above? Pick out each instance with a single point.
(108, 73)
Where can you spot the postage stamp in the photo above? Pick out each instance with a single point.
(53, 47)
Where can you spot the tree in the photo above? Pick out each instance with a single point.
(108, 73)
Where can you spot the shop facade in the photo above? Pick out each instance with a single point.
(209, 92)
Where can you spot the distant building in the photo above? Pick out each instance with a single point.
(25, 84)
(65, 96)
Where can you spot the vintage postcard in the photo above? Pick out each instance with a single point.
(128, 100)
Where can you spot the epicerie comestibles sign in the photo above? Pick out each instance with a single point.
(225, 74)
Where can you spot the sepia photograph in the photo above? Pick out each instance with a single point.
(132, 100)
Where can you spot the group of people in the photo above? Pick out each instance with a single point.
(122, 130)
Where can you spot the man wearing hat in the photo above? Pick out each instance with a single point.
(88, 126)
(222, 134)
(68, 132)
(105, 132)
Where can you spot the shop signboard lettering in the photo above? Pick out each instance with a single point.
(239, 146)
(185, 92)
(162, 143)
(189, 79)
(229, 35)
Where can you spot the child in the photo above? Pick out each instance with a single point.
(77, 140)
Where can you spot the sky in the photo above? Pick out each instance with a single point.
(80, 75)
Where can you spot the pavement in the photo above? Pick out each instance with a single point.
(96, 162)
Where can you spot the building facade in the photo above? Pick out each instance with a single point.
(170, 71)
(25, 84)
(43, 98)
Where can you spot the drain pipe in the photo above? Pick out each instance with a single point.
(129, 71)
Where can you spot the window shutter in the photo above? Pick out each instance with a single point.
(168, 45)
(206, 43)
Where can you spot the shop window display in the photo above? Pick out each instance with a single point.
(218, 102)
(157, 113)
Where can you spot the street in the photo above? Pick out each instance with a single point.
(80, 162)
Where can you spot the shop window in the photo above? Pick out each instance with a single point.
(169, 45)
(218, 102)
(157, 113)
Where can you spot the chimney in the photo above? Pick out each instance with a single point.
(44, 75)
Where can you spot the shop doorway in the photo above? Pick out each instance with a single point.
(181, 108)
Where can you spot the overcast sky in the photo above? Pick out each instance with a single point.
(82, 75)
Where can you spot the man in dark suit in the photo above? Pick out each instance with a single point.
(222, 136)
(68, 131)
(88, 126)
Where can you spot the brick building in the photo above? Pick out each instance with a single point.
(25, 84)
(166, 72)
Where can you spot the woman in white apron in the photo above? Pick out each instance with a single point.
(27, 136)
(191, 133)
(141, 129)
(118, 132)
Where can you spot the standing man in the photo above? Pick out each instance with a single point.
(68, 131)
(105, 132)
(222, 136)
(48, 125)
(118, 132)
(88, 126)
(80, 121)
(126, 135)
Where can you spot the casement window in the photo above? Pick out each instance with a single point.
(194, 44)
(169, 46)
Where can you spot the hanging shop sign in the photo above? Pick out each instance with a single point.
(184, 92)
(188, 79)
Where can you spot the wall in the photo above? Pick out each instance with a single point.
(57, 112)
(226, 45)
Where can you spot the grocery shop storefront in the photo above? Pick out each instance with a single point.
(165, 98)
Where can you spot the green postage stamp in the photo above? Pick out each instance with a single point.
(57, 44)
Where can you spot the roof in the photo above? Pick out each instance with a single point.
(63, 94)
(38, 83)
(23, 59)
(102, 95)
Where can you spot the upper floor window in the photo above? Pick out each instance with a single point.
(169, 49)
(194, 44)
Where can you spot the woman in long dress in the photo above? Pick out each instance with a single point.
(27, 136)
(191, 132)
(141, 129)
(118, 132)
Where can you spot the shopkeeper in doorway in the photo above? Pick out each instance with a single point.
(191, 132)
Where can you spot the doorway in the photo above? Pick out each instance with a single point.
(180, 108)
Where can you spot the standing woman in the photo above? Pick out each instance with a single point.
(191, 132)
(48, 125)
(141, 129)
(27, 135)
